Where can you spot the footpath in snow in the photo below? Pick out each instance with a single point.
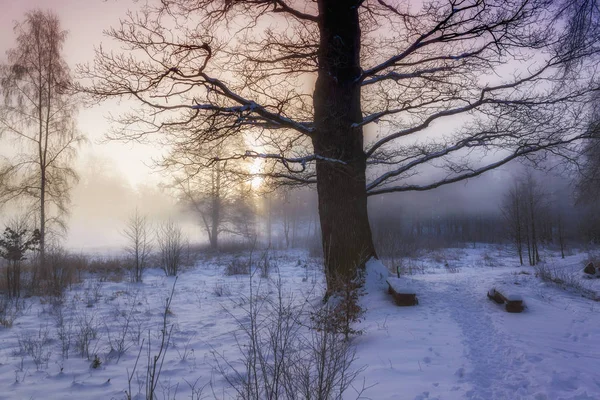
(457, 344)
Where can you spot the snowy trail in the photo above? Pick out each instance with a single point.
(495, 372)
(456, 344)
(548, 352)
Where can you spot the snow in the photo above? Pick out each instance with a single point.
(403, 285)
(456, 344)
(514, 297)
(375, 276)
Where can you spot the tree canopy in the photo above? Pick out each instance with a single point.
(359, 97)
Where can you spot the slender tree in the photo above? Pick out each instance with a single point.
(512, 210)
(523, 208)
(139, 244)
(38, 113)
(352, 95)
(170, 242)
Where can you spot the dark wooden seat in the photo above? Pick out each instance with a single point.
(401, 297)
(514, 303)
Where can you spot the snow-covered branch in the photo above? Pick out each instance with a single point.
(287, 162)
(250, 107)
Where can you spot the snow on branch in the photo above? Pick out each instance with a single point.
(287, 162)
(251, 107)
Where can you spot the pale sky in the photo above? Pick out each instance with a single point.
(115, 177)
(111, 171)
(85, 20)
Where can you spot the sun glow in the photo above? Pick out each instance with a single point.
(256, 168)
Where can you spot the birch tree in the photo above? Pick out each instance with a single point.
(38, 116)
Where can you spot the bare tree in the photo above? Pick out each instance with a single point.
(309, 81)
(38, 112)
(512, 210)
(560, 225)
(170, 246)
(139, 246)
(535, 202)
(523, 207)
(588, 179)
(215, 190)
(588, 185)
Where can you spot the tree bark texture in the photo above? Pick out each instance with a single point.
(341, 170)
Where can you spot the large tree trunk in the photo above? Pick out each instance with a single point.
(341, 180)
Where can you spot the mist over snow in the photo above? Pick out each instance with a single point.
(104, 200)
(251, 200)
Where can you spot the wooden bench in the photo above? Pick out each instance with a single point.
(403, 296)
(514, 303)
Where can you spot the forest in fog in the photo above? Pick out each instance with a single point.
(300, 199)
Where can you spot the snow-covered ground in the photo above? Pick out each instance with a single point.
(456, 344)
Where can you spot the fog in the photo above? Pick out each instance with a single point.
(117, 178)
(105, 199)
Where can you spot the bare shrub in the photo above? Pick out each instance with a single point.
(36, 345)
(221, 289)
(451, 267)
(86, 330)
(265, 264)
(286, 354)
(393, 246)
(196, 390)
(139, 245)
(60, 271)
(154, 358)
(232, 246)
(411, 267)
(187, 352)
(118, 340)
(564, 279)
(79, 263)
(107, 268)
(170, 245)
(488, 259)
(438, 256)
(92, 292)
(10, 308)
(64, 331)
(342, 309)
(238, 266)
